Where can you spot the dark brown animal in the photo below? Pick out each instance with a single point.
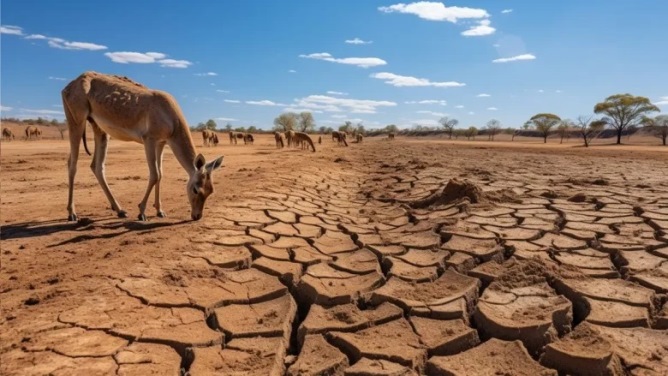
(248, 138)
(339, 137)
(278, 136)
(7, 134)
(391, 136)
(303, 140)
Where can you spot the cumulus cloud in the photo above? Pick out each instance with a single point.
(65, 45)
(300, 110)
(506, 11)
(231, 101)
(434, 11)
(515, 58)
(222, 91)
(432, 113)
(56, 78)
(400, 81)
(336, 104)
(483, 95)
(264, 102)
(40, 112)
(429, 101)
(492, 109)
(339, 116)
(332, 92)
(541, 90)
(146, 58)
(5, 108)
(12, 30)
(459, 106)
(358, 41)
(471, 113)
(292, 71)
(483, 28)
(663, 101)
(225, 119)
(363, 62)
(205, 74)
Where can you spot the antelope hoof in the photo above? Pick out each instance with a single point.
(122, 214)
(72, 217)
(142, 217)
(161, 214)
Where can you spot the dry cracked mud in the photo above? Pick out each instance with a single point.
(413, 257)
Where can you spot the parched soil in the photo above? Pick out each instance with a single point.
(401, 257)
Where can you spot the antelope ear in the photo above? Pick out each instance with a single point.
(215, 164)
(199, 162)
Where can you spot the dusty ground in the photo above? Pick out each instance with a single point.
(332, 262)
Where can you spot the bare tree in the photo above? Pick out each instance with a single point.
(624, 110)
(346, 127)
(589, 129)
(658, 126)
(306, 122)
(286, 121)
(564, 130)
(493, 127)
(449, 125)
(544, 123)
(471, 133)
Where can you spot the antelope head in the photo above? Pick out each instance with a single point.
(200, 184)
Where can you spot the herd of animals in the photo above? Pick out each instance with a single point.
(32, 133)
(118, 107)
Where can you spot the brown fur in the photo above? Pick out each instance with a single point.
(33, 132)
(303, 140)
(209, 137)
(127, 111)
(319, 139)
(233, 138)
(289, 135)
(339, 137)
(278, 136)
(248, 138)
(360, 138)
(7, 134)
(391, 136)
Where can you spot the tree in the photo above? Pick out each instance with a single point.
(346, 127)
(211, 124)
(658, 126)
(306, 122)
(360, 129)
(54, 122)
(322, 129)
(240, 129)
(228, 127)
(493, 127)
(564, 129)
(251, 129)
(471, 133)
(624, 110)
(544, 123)
(589, 129)
(286, 121)
(200, 126)
(391, 128)
(449, 125)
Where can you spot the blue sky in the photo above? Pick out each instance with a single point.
(378, 62)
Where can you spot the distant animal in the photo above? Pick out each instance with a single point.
(339, 137)
(7, 134)
(128, 111)
(360, 138)
(278, 136)
(215, 139)
(319, 139)
(233, 138)
(33, 132)
(248, 138)
(289, 135)
(391, 136)
(209, 137)
(303, 140)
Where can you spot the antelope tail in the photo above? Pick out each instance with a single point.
(84, 141)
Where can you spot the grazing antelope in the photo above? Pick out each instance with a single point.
(303, 140)
(248, 138)
(209, 137)
(233, 138)
(360, 138)
(7, 134)
(391, 136)
(278, 136)
(215, 139)
(339, 137)
(125, 110)
(33, 132)
(289, 135)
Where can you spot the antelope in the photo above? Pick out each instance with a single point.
(233, 138)
(209, 137)
(339, 137)
(128, 111)
(360, 138)
(278, 136)
(391, 136)
(289, 135)
(33, 131)
(7, 134)
(248, 138)
(303, 140)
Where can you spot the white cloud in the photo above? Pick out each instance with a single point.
(40, 112)
(471, 113)
(300, 110)
(339, 116)
(336, 104)
(12, 30)
(432, 113)
(541, 91)
(429, 101)
(65, 45)
(483, 95)
(492, 109)
(36, 36)
(459, 106)
(515, 58)
(497, 45)
(424, 122)
(400, 81)
(231, 101)
(56, 78)
(506, 11)
(336, 92)
(212, 84)
(558, 91)
(433, 11)
(206, 74)
(483, 28)
(222, 91)
(663, 101)
(358, 41)
(5, 108)
(363, 62)
(146, 58)
(292, 71)
(264, 102)
(225, 119)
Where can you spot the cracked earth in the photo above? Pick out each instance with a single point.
(349, 261)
